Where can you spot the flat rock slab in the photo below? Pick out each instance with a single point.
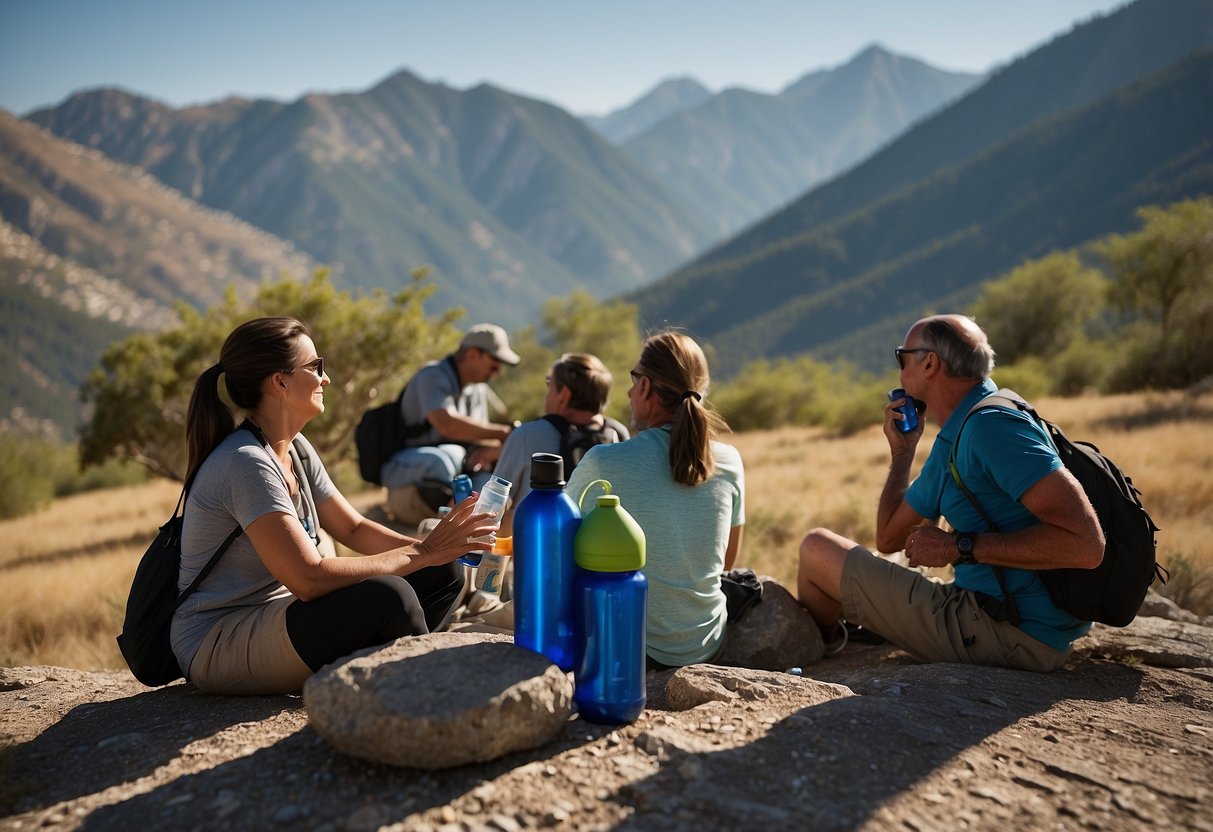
(440, 700)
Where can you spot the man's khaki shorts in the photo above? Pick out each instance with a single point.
(934, 622)
(248, 652)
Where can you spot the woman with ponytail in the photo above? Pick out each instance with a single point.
(275, 608)
(687, 491)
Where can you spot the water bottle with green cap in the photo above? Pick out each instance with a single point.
(610, 609)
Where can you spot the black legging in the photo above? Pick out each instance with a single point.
(374, 611)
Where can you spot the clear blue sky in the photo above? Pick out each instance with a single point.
(589, 57)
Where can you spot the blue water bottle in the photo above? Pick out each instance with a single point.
(461, 489)
(908, 410)
(610, 602)
(545, 523)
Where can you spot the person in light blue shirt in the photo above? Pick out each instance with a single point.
(686, 489)
(1009, 464)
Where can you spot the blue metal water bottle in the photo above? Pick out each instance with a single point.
(545, 523)
(610, 601)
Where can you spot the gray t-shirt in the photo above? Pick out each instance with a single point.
(436, 387)
(238, 483)
(535, 437)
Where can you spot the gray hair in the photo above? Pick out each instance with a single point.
(961, 357)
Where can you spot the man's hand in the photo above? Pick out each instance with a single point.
(482, 458)
(930, 546)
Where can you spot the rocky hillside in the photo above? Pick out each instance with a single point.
(1119, 739)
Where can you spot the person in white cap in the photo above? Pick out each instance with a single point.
(448, 402)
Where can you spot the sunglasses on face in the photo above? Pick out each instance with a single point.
(901, 352)
(316, 366)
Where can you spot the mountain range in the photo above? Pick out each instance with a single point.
(928, 184)
(1055, 149)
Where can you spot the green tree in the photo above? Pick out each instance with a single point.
(371, 345)
(1168, 261)
(1162, 277)
(1039, 308)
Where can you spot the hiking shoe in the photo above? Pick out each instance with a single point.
(860, 634)
(835, 640)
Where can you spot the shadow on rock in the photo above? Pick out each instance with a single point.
(832, 765)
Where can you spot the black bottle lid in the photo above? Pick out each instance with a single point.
(547, 471)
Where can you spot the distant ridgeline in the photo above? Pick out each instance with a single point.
(1054, 150)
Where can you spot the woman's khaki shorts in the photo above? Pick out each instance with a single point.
(248, 652)
(934, 622)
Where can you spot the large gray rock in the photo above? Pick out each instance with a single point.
(699, 683)
(1155, 641)
(439, 700)
(777, 633)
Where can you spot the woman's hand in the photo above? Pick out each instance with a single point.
(453, 535)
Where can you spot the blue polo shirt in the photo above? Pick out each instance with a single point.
(1002, 453)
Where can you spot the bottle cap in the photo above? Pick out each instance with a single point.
(547, 471)
(609, 539)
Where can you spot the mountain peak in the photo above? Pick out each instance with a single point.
(671, 95)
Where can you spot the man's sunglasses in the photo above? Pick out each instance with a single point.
(900, 352)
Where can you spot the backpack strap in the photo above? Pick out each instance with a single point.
(179, 517)
(555, 420)
(299, 455)
(1001, 609)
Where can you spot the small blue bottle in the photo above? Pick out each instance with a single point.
(610, 601)
(545, 522)
(461, 489)
(908, 410)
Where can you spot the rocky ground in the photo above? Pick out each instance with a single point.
(1120, 739)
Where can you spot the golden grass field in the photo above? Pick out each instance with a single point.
(65, 571)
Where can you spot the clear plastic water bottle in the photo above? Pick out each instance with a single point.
(610, 601)
(492, 500)
(545, 522)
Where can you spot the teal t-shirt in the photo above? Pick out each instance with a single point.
(1002, 453)
(686, 534)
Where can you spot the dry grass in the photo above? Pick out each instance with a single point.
(65, 572)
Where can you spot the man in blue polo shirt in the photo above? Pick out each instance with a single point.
(1008, 463)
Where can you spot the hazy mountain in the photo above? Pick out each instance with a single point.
(53, 333)
(954, 202)
(90, 250)
(509, 199)
(670, 96)
(742, 154)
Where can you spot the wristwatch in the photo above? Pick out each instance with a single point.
(964, 547)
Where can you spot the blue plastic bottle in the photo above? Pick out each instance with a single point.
(610, 601)
(545, 523)
(461, 488)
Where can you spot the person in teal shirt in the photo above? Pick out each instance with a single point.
(1009, 464)
(686, 489)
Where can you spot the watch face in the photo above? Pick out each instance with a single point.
(964, 543)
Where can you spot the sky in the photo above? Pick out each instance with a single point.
(587, 56)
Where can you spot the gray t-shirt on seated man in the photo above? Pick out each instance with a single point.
(238, 483)
(436, 387)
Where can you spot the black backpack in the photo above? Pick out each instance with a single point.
(575, 440)
(382, 431)
(1112, 592)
